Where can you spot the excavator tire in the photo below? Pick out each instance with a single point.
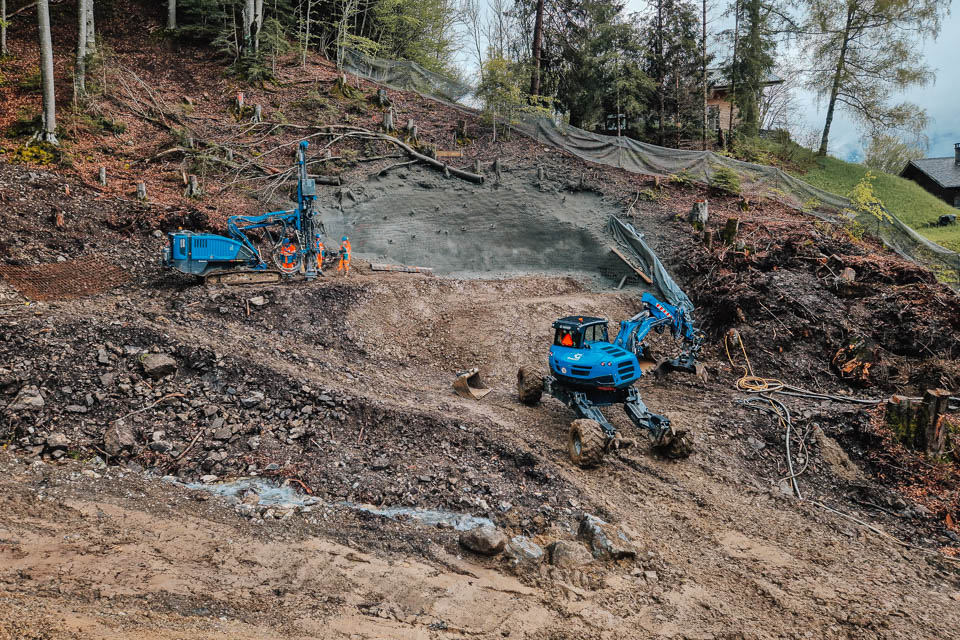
(529, 385)
(676, 445)
(587, 443)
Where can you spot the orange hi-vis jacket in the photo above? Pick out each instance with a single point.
(320, 250)
(288, 252)
(345, 252)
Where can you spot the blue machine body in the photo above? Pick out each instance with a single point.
(201, 254)
(582, 356)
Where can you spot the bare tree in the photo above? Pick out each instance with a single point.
(171, 14)
(257, 24)
(777, 105)
(80, 71)
(473, 21)
(49, 127)
(3, 27)
(703, 46)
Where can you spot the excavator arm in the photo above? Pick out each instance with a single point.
(658, 316)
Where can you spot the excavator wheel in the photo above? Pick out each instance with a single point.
(587, 443)
(675, 445)
(529, 385)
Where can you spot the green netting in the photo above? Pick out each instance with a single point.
(640, 157)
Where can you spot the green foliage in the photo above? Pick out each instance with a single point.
(36, 153)
(864, 200)
(682, 179)
(502, 93)
(725, 181)
(753, 63)
(674, 62)
(417, 30)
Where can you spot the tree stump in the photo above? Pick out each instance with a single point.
(698, 215)
(257, 114)
(382, 99)
(541, 174)
(461, 132)
(476, 166)
(730, 230)
(193, 189)
(229, 155)
(497, 168)
(102, 176)
(141, 191)
(388, 120)
(919, 424)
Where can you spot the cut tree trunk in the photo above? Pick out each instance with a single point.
(102, 176)
(48, 132)
(918, 424)
(141, 191)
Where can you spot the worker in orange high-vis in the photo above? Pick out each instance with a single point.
(288, 256)
(318, 246)
(345, 254)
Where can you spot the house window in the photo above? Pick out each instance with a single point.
(713, 117)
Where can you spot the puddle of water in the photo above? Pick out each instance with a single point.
(269, 492)
(273, 494)
(430, 517)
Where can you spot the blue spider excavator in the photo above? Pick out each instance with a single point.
(588, 372)
(237, 260)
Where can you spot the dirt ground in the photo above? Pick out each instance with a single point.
(341, 389)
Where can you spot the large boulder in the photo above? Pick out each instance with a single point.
(118, 439)
(486, 540)
(569, 555)
(606, 541)
(157, 365)
(524, 552)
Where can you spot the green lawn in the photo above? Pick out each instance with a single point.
(903, 198)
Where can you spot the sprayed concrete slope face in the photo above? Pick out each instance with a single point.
(464, 230)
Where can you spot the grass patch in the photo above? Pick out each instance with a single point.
(903, 198)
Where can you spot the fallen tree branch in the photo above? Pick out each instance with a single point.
(395, 166)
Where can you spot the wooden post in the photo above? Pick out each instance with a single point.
(918, 424)
(102, 176)
(730, 230)
(141, 191)
(541, 174)
(698, 214)
(476, 166)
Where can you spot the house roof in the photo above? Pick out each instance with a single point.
(943, 171)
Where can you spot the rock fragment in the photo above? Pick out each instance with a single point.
(486, 540)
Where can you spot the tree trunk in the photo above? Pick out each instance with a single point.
(171, 14)
(91, 30)
(835, 89)
(247, 15)
(733, 66)
(80, 71)
(3, 27)
(306, 35)
(661, 80)
(705, 79)
(537, 43)
(48, 132)
(257, 24)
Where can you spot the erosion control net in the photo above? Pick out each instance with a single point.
(639, 157)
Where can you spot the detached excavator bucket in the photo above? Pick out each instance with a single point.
(469, 384)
